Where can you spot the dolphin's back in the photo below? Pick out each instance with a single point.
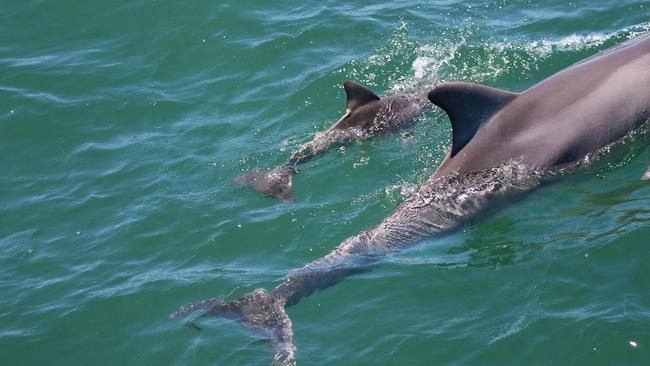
(566, 116)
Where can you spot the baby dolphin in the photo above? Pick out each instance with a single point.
(366, 116)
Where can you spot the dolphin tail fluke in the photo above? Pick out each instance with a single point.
(272, 183)
(193, 308)
(258, 310)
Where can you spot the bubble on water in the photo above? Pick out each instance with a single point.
(363, 161)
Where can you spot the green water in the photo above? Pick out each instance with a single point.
(123, 123)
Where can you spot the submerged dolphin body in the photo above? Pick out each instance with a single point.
(503, 143)
(367, 115)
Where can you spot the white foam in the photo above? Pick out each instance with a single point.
(430, 61)
(436, 61)
(574, 42)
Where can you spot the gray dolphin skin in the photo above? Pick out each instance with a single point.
(561, 119)
(367, 115)
(504, 144)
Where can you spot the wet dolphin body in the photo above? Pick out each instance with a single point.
(559, 120)
(503, 143)
(367, 115)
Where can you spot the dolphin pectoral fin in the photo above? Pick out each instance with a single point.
(258, 310)
(271, 183)
(358, 95)
(468, 106)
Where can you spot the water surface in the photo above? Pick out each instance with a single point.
(123, 123)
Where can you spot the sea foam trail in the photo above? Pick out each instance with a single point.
(434, 62)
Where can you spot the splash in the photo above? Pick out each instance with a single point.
(572, 43)
(467, 55)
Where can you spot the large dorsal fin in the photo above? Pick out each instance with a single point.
(358, 95)
(468, 106)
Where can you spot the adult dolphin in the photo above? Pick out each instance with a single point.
(503, 143)
(366, 116)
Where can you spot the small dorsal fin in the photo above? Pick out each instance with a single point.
(358, 95)
(468, 106)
